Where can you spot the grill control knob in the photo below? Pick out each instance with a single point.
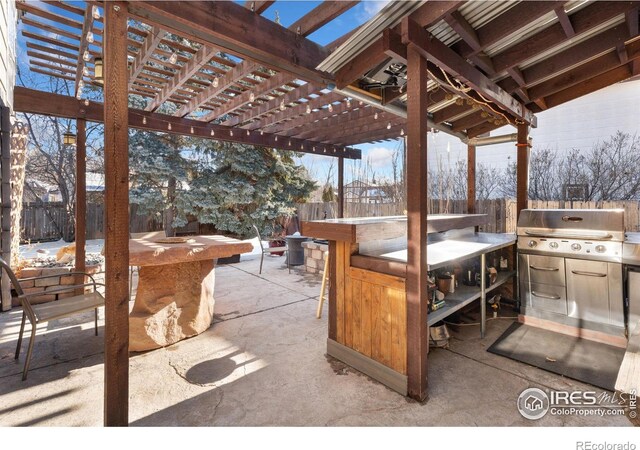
(576, 247)
(532, 244)
(601, 248)
(553, 245)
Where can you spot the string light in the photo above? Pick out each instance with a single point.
(96, 13)
(144, 120)
(169, 126)
(213, 133)
(215, 82)
(348, 103)
(86, 102)
(173, 58)
(375, 116)
(191, 130)
(330, 107)
(85, 71)
(402, 132)
(252, 97)
(308, 109)
(248, 133)
(86, 55)
(289, 143)
(261, 133)
(282, 105)
(389, 126)
(230, 132)
(80, 84)
(90, 37)
(276, 138)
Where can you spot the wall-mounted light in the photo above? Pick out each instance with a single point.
(99, 70)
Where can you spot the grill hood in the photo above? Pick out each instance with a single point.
(586, 224)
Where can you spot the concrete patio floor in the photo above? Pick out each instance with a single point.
(263, 363)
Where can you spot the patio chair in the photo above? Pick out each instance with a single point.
(270, 250)
(58, 309)
(143, 235)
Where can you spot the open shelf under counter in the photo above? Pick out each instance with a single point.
(465, 295)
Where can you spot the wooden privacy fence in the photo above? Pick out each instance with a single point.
(44, 221)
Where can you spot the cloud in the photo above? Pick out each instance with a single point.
(371, 7)
(379, 157)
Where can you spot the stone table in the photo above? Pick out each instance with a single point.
(174, 299)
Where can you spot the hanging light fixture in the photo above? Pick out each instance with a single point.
(90, 38)
(98, 70)
(69, 138)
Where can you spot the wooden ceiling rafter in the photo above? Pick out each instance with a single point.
(304, 119)
(258, 7)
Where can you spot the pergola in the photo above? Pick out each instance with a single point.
(464, 68)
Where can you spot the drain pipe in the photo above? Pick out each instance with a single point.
(397, 110)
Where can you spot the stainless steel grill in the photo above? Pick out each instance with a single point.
(570, 266)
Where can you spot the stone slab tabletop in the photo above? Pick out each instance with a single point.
(148, 252)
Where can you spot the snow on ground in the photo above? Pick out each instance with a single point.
(28, 251)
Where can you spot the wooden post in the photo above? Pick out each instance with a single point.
(81, 197)
(5, 200)
(522, 184)
(116, 162)
(416, 285)
(341, 187)
(471, 179)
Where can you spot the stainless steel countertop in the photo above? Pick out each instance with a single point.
(444, 252)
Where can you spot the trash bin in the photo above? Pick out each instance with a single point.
(296, 252)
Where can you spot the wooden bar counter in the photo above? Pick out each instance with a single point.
(174, 299)
(367, 292)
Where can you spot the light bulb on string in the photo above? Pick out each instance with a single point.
(248, 133)
(375, 116)
(276, 138)
(85, 71)
(230, 132)
(96, 13)
(389, 126)
(144, 120)
(173, 58)
(348, 103)
(308, 109)
(86, 102)
(191, 130)
(252, 97)
(261, 133)
(402, 132)
(213, 133)
(90, 38)
(330, 107)
(215, 82)
(169, 126)
(282, 106)
(86, 55)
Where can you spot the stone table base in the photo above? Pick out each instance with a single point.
(173, 302)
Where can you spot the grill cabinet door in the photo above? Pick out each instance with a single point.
(588, 290)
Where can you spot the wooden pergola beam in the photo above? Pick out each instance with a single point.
(258, 7)
(81, 199)
(321, 15)
(236, 29)
(298, 110)
(188, 70)
(354, 117)
(305, 120)
(143, 56)
(116, 193)
(565, 22)
(39, 102)
(359, 128)
(449, 60)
